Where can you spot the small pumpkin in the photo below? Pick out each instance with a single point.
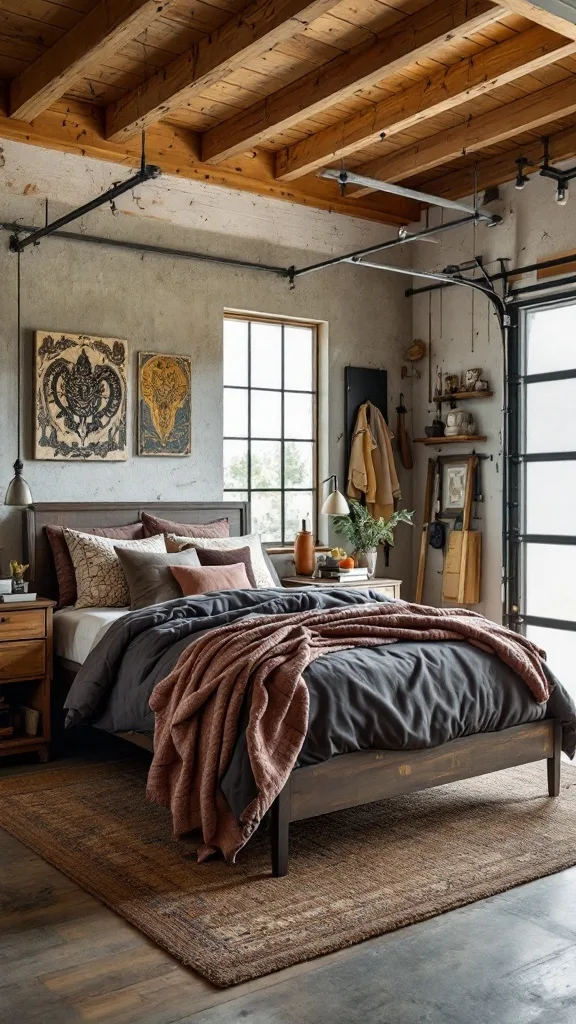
(346, 563)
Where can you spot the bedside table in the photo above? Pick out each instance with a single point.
(26, 669)
(386, 586)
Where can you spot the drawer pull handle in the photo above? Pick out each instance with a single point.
(4, 618)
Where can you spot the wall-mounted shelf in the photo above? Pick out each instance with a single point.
(455, 439)
(462, 396)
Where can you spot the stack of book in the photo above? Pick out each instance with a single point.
(341, 575)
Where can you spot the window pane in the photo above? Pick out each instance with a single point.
(299, 464)
(550, 339)
(235, 352)
(236, 464)
(298, 365)
(550, 574)
(266, 413)
(266, 361)
(235, 413)
(266, 464)
(560, 647)
(551, 497)
(550, 416)
(266, 515)
(298, 505)
(298, 416)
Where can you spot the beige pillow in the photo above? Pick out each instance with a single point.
(250, 540)
(100, 580)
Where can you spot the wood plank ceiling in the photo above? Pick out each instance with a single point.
(436, 94)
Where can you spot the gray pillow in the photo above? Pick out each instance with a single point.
(148, 575)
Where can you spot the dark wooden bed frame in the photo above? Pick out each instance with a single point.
(347, 780)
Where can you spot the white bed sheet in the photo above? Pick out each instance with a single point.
(78, 630)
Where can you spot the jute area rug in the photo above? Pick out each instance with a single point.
(353, 875)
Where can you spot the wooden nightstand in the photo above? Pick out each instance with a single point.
(387, 586)
(26, 669)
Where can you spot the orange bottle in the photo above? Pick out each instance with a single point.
(304, 555)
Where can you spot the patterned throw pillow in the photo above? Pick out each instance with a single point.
(261, 572)
(65, 577)
(100, 579)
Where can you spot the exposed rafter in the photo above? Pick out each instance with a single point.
(76, 128)
(476, 133)
(440, 22)
(497, 66)
(538, 12)
(248, 34)
(459, 183)
(103, 31)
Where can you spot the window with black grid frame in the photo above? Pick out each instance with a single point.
(270, 423)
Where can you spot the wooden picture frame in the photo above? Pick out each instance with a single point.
(164, 425)
(453, 481)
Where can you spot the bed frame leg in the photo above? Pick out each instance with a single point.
(554, 762)
(279, 832)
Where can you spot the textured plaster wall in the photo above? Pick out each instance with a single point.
(464, 333)
(170, 305)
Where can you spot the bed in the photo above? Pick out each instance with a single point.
(330, 776)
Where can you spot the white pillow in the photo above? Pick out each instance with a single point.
(100, 580)
(250, 540)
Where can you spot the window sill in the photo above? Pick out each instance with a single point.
(290, 550)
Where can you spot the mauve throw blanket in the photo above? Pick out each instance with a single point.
(198, 705)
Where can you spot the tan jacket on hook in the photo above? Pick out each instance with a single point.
(371, 470)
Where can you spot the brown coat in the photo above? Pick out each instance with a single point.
(372, 470)
(198, 705)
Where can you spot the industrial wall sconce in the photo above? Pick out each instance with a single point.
(547, 170)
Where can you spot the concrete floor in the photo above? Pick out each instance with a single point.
(66, 959)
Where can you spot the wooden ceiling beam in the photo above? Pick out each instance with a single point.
(74, 127)
(101, 33)
(246, 35)
(500, 169)
(441, 22)
(534, 12)
(497, 66)
(524, 114)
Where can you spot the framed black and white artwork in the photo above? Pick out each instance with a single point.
(80, 393)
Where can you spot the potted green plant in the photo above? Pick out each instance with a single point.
(366, 534)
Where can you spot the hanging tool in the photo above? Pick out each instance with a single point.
(426, 519)
(402, 435)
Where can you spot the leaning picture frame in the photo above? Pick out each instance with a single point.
(454, 477)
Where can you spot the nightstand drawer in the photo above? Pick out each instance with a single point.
(24, 659)
(19, 625)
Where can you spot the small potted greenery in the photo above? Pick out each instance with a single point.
(366, 534)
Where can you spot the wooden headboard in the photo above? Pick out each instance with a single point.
(83, 515)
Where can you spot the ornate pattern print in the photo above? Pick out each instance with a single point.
(80, 398)
(164, 411)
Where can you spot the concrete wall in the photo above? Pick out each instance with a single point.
(464, 333)
(165, 304)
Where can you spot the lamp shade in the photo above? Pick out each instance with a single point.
(335, 504)
(18, 492)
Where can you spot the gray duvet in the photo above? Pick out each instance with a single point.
(401, 696)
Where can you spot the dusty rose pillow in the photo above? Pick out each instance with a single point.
(212, 556)
(210, 577)
(153, 525)
(65, 575)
